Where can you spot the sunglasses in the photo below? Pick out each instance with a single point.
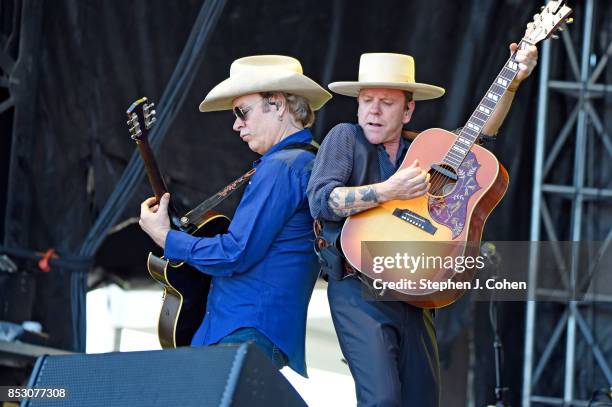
(241, 112)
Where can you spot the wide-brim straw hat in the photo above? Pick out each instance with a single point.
(389, 71)
(264, 73)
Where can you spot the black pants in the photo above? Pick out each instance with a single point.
(390, 347)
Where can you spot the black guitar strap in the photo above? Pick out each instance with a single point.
(312, 147)
(191, 217)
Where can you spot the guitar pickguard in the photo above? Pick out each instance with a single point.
(451, 210)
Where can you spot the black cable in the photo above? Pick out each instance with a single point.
(65, 263)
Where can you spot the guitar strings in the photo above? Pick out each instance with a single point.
(437, 183)
(433, 182)
(438, 180)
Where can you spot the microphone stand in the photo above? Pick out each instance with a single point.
(499, 350)
(489, 251)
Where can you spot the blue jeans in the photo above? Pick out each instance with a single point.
(252, 335)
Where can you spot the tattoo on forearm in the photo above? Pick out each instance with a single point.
(347, 201)
(334, 200)
(350, 197)
(368, 194)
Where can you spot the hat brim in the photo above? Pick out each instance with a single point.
(222, 95)
(420, 91)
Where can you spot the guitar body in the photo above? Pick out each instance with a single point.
(454, 219)
(185, 289)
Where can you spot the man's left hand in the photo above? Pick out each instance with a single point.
(527, 59)
(154, 219)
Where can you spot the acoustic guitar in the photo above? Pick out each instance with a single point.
(185, 288)
(467, 183)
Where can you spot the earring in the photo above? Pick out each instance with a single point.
(280, 118)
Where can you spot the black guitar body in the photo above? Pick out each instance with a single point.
(185, 289)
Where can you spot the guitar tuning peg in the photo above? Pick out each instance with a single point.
(569, 20)
(561, 29)
(542, 8)
(554, 37)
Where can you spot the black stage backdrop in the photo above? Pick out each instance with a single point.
(81, 63)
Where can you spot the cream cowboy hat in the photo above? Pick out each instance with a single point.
(392, 71)
(264, 73)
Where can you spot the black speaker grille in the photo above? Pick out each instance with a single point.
(185, 377)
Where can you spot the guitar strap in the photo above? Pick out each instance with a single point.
(191, 217)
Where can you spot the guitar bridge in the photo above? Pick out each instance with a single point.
(415, 220)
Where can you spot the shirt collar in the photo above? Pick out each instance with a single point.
(401, 150)
(404, 144)
(302, 136)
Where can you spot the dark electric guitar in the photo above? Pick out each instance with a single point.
(185, 288)
(467, 182)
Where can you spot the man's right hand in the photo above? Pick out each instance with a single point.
(405, 184)
(154, 219)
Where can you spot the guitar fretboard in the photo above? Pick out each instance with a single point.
(472, 129)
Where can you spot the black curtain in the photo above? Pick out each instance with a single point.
(83, 62)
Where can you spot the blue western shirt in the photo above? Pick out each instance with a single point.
(264, 268)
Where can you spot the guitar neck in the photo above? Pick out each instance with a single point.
(472, 129)
(155, 179)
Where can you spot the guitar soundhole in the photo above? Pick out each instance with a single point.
(442, 178)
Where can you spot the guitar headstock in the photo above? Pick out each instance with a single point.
(140, 111)
(547, 21)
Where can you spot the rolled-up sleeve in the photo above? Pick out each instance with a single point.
(332, 169)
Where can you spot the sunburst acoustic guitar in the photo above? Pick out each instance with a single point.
(467, 182)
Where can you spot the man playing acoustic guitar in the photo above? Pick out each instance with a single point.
(390, 346)
(263, 269)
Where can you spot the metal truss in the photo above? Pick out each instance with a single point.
(585, 124)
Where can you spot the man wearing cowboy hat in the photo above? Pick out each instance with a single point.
(390, 346)
(263, 269)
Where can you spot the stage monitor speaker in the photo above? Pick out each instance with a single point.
(225, 375)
